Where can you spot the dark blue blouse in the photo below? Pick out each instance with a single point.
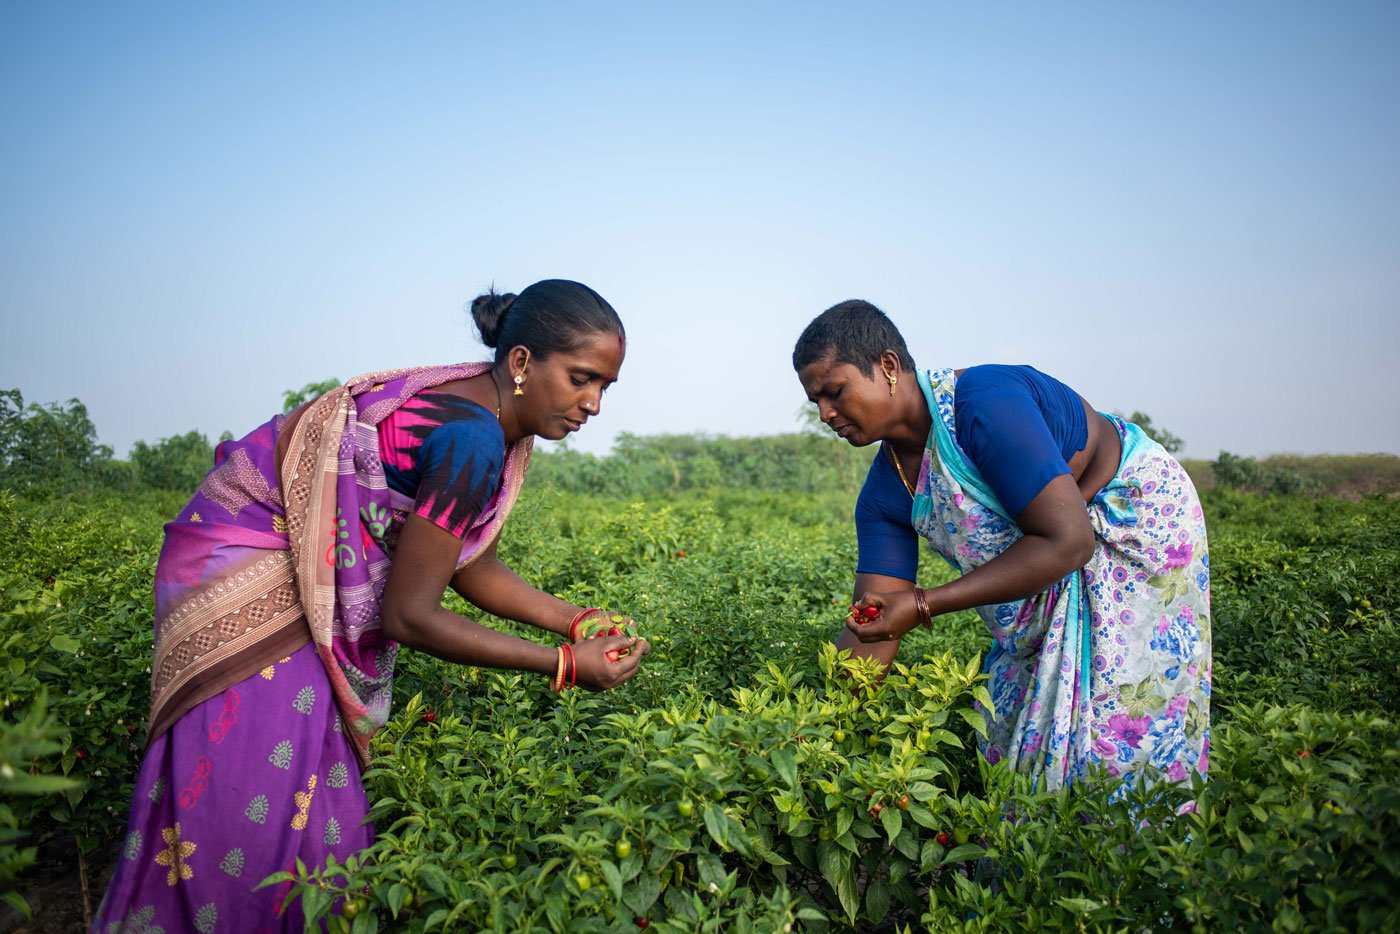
(1016, 425)
(447, 453)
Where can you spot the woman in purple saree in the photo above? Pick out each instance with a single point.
(316, 546)
(1078, 540)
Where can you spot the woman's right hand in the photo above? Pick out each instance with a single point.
(597, 672)
(896, 613)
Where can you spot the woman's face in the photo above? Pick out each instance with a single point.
(853, 404)
(564, 390)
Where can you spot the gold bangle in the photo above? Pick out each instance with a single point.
(557, 684)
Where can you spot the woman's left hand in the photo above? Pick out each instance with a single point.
(601, 664)
(896, 612)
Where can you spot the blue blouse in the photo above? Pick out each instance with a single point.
(1016, 425)
(447, 453)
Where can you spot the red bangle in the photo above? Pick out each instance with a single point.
(573, 665)
(573, 623)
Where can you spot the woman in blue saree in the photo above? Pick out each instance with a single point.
(1079, 541)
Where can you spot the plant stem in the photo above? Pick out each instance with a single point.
(83, 881)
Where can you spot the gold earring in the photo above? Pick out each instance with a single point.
(893, 379)
(519, 386)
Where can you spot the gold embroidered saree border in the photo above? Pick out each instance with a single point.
(221, 634)
(309, 475)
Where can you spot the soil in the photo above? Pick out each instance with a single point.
(53, 887)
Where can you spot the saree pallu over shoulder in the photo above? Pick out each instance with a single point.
(1110, 667)
(226, 601)
(257, 564)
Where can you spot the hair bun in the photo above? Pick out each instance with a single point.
(489, 311)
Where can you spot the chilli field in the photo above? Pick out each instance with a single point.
(747, 778)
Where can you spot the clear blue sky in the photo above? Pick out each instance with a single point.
(1190, 209)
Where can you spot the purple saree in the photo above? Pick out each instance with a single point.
(271, 671)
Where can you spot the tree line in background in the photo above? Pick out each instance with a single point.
(53, 448)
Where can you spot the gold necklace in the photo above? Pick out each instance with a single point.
(900, 467)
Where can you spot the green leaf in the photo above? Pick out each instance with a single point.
(832, 860)
(786, 765)
(975, 720)
(25, 784)
(1080, 905)
(65, 643)
(923, 816)
(943, 736)
(397, 892)
(877, 901)
(717, 823)
(892, 819)
(964, 852)
(846, 892)
(710, 868)
(614, 877)
(843, 821)
(17, 902)
(641, 894)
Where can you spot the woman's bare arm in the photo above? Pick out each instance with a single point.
(1056, 540)
(490, 584)
(425, 563)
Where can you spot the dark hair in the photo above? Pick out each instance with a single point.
(549, 317)
(854, 332)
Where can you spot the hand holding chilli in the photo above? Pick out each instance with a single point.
(894, 615)
(607, 661)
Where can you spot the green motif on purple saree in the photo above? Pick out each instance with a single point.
(232, 863)
(257, 810)
(206, 918)
(305, 700)
(282, 755)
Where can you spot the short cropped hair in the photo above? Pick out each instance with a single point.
(854, 332)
